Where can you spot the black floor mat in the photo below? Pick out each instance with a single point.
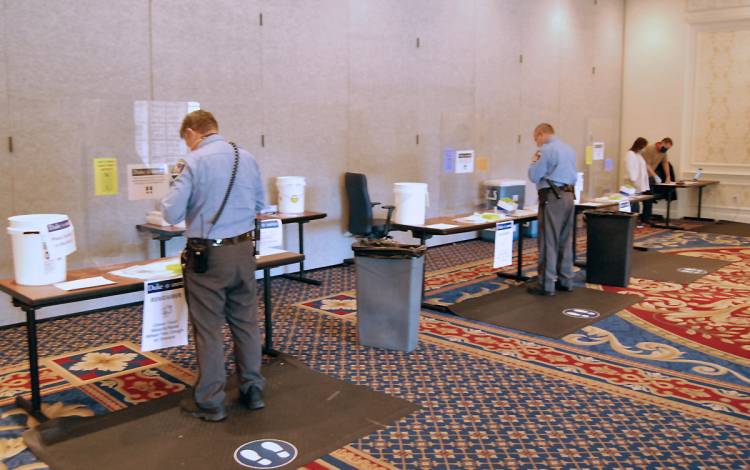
(553, 317)
(668, 267)
(315, 413)
(725, 227)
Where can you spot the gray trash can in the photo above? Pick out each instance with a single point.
(389, 293)
(609, 247)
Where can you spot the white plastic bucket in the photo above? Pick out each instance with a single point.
(411, 201)
(291, 194)
(32, 263)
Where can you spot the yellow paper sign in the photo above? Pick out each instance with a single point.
(589, 155)
(483, 163)
(105, 176)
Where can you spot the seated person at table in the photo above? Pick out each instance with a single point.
(637, 175)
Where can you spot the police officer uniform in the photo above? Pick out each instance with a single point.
(557, 165)
(226, 291)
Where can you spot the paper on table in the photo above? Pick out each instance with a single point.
(84, 283)
(481, 218)
(166, 268)
(525, 212)
(269, 252)
(441, 226)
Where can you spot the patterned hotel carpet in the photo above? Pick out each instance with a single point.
(619, 395)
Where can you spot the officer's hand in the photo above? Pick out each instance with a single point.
(537, 156)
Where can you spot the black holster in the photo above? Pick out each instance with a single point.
(195, 256)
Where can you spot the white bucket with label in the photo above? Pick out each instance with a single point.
(41, 243)
(291, 194)
(411, 203)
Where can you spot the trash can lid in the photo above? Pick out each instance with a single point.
(608, 213)
(387, 248)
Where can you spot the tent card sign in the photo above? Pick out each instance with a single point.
(503, 244)
(271, 236)
(625, 206)
(147, 182)
(464, 161)
(165, 314)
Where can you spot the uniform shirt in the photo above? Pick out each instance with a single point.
(556, 162)
(653, 157)
(196, 194)
(637, 172)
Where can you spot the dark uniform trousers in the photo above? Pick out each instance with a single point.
(555, 239)
(226, 292)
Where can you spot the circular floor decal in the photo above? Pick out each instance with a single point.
(580, 313)
(265, 453)
(692, 271)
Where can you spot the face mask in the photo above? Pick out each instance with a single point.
(663, 150)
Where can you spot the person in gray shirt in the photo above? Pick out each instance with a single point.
(554, 172)
(219, 260)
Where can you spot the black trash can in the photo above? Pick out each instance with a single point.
(389, 293)
(609, 246)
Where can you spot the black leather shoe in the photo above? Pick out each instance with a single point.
(206, 414)
(538, 290)
(563, 288)
(253, 399)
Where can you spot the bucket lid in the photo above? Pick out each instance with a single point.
(503, 182)
(405, 185)
(35, 221)
(290, 179)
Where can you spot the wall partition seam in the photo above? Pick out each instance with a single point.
(151, 49)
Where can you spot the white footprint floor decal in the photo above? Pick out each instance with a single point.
(253, 456)
(274, 447)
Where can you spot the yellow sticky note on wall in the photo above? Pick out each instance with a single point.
(589, 155)
(483, 163)
(105, 176)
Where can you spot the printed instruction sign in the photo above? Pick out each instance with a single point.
(157, 129)
(625, 206)
(271, 236)
(105, 176)
(503, 244)
(464, 161)
(148, 181)
(597, 149)
(60, 239)
(165, 314)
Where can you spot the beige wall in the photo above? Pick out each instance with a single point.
(680, 80)
(333, 85)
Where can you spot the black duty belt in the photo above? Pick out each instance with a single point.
(565, 188)
(224, 241)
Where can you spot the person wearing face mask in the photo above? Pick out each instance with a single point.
(656, 156)
(637, 175)
(217, 193)
(553, 169)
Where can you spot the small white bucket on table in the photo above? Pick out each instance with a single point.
(411, 200)
(41, 244)
(291, 194)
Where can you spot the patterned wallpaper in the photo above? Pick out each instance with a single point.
(722, 97)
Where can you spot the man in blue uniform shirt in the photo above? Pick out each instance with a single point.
(218, 192)
(554, 172)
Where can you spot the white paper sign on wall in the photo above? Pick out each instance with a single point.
(147, 182)
(464, 161)
(597, 149)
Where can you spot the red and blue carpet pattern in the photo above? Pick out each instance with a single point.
(614, 395)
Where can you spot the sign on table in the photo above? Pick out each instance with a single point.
(165, 315)
(503, 244)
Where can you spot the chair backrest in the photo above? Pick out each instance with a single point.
(360, 207)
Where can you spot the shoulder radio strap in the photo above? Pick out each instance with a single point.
(229, 187)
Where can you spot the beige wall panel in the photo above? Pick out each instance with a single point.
(540, 46)
(384, 95)
(607, 44)
(206, 50)
(86, 48)
(305, 86)
(6, 188)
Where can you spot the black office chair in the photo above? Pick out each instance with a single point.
(361, 223)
